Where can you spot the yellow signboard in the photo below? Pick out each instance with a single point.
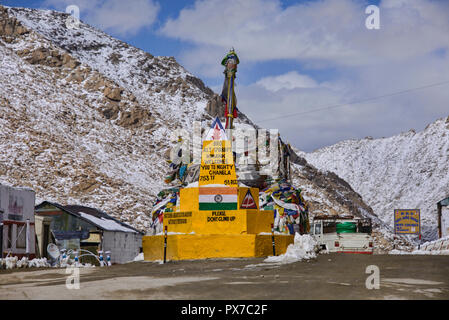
(407, 221)
(217, 164)
(219, 222)
(217, 152)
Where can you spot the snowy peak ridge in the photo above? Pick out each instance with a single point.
(130, 67)
(406, 171)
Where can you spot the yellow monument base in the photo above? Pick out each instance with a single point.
(217, 219)
(202, 234)
(193, 246)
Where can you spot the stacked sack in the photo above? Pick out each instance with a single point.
(167, 201)
(289, 207)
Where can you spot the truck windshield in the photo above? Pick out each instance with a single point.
(318, 228)
(329, 227)
(364, 226)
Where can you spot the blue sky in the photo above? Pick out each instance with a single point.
(297, 57)
(150, 39)
(146, 39)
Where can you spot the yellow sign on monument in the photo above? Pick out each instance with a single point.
(217, 165)
(217, 162)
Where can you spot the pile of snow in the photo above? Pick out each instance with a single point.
(139, 257)
(302, 249)
(436, 247)
(14, 262)
(419, 252)
(439, 244)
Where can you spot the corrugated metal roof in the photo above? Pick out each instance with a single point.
(94, 216)
(444, 202)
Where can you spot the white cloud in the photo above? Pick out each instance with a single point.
(301, 115)
(409, 50)
(290, 80)
(327, 32)
(114, 16)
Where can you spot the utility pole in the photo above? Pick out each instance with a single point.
(230, 62)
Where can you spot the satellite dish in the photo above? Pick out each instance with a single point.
(53, 251)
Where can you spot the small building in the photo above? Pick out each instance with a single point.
(79, 227)
(17, 236)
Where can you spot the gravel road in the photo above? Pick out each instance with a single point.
(330, 276)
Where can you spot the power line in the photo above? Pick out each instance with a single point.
(355, 102)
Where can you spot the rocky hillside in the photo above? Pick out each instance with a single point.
(88, 125)
(409, 170)
(86, 119)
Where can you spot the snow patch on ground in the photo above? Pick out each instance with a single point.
(436, 247)
(16, 263)
(139, 257)
(420, 252)
(302, 249)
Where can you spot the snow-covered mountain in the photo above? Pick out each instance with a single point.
(406, 171)
(87, 119)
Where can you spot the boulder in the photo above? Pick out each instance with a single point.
(69, 62)
(110, 111)
(114, 94)
(11, 27)
(135, 118)
(38, 56)
(86, 186)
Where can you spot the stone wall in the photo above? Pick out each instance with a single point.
(124, 246)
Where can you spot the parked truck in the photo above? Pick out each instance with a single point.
(343, 234)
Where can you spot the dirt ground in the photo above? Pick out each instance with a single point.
(330, 276)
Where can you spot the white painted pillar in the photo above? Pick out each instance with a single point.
(28, 232)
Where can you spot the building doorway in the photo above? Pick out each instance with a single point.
(45, 237)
